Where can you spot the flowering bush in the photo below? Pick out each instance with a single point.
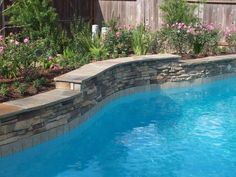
(230, 37)
(196, 39)
(18, 57)
(204, 38)
(175, 37)
(118, 43)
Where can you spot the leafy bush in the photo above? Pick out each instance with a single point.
(183, 39)
(178, 11)
(81, 37)
(22, 89)
(38, 83)
(118, 43)
(230, 37)
(19, 57)
(141, 40)
(98, 50)
(113, 24)
(176, 38)
(204, 38)
(37, 18)
(72, 59)
(4, 90)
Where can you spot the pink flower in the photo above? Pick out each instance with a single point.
(55, 67)
(210, 27)
(228, 32)
(17, 43)
(26, 40)
(1, 50)
(130, 27)
(190, 30)
(50, 58)
(118, 34)
(1, 37)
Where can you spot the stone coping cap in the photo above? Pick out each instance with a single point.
(93, 69)
(208, 59)
(42, 100)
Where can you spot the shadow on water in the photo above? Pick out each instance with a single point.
(100, 136)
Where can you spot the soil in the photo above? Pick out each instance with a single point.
(31, 90)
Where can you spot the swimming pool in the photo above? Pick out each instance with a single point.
(178, 132)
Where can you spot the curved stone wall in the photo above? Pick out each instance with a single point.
(80, 93)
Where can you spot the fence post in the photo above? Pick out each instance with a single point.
(3, 18)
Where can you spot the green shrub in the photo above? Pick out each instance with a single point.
(176, 37)
(19, 57)
(98, 50)
(37, 84)
(204, 39)
(118, 42)
(37, 17)
(81, 37)
(141, 40)
(195, 39)
(16, 84)
(113, 24)
(22, 89)
(230, 37)
(178, 11)
(4, 90)
(43, 80)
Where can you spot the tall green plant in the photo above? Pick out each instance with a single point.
(178, 11)
(37, 18)
(141, 40)
(81, 36)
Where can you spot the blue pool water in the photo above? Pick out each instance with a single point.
(181, 132)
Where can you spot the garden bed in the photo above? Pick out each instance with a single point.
(19, 88)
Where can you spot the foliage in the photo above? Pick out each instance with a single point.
(230, 37)
(204, 38)
(177, 37)
(178, 11)
(38, 83)
(118, 43)
(4, 90)
(141, 40)
(98, 50)
(37, 17)
(113, 24)
(19, 57)
(183, 39)
(22, 89)
(81, 37)
(71, 59)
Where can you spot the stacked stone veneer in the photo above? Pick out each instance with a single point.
(82, 92)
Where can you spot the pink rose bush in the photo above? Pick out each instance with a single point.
(230, 38)
(17, 57)
(118, 41)
(196, 39)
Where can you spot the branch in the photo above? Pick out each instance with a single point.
(10, 27)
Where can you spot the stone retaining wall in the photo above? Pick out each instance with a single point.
(80, 93)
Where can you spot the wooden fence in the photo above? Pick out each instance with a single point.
(67, 10)
(219, 12)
